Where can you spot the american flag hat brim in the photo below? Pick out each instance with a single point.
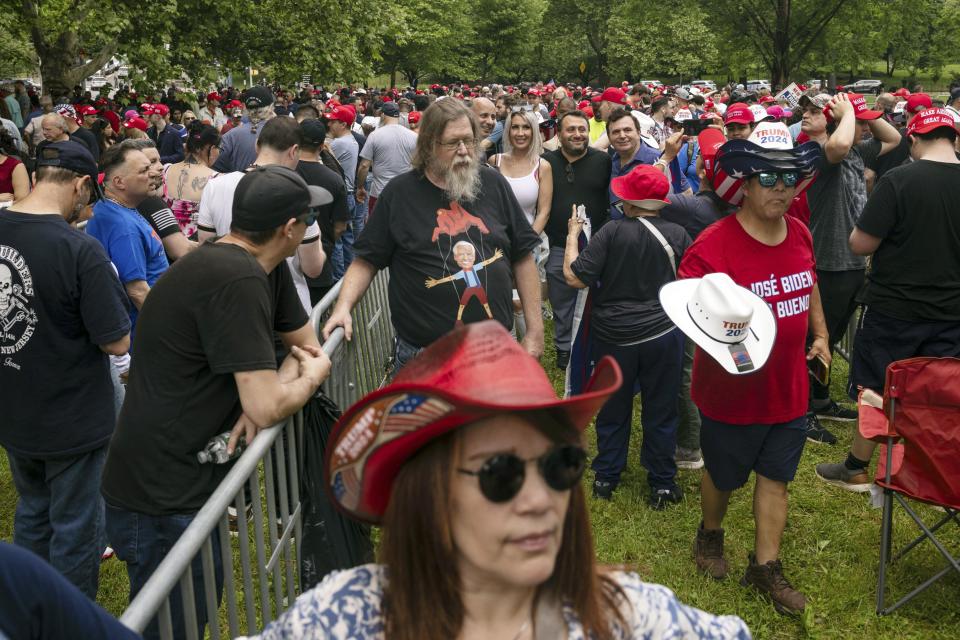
(737, 160)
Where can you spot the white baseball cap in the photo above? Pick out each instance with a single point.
(733, 325)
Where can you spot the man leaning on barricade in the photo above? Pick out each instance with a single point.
(206, 365)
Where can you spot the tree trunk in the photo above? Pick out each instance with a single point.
(393, 76)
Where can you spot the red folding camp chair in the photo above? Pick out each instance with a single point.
(921, 456)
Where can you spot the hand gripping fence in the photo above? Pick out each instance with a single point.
(260, 562)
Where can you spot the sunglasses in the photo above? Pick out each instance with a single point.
(768, 178)
(502, 476)
(309, 218)
(569, 171)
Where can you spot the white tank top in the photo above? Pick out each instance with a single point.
(527, 191)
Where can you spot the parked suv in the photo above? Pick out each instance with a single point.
(704, 85)
(865, 86)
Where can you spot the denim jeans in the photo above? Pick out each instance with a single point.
(59, 514)
(403, 352)
(657, 367)
(143, 541)
(343, 250)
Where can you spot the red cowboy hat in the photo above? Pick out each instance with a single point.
(473, 372)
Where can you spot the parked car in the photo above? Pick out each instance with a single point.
(704, 85)
(651, 83)
(757, 85)
(865, 86)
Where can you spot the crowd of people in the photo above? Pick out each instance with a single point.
(705, 249)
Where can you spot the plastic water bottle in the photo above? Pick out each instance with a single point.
(215, 452)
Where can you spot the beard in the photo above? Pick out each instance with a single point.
(462, 178)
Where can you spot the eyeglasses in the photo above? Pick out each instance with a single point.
(453, 145)
(569, 171)
(309, 218)
(502, 476)
(768, 179)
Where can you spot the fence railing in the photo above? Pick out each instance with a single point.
(259, 558)
(844, 348)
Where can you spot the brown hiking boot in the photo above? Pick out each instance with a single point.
(708, 551)
(769, 580)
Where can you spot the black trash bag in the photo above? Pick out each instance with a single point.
(330, 540)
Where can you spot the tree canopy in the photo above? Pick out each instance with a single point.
(413, 41)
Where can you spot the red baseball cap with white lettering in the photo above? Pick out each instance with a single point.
(917, 102)
(860, 109)
(930, 119)
(738, 113)
(613, 94)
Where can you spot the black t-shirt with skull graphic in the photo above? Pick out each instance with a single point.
(449, 262)
(60, 299)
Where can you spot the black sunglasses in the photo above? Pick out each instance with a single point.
(502, 476)
(569, 170)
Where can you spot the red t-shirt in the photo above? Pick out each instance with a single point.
(784, 276)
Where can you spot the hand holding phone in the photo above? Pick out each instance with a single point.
(820, 370)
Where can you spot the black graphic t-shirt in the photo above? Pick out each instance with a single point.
(449, 262)
(60, 299)
(213, 313)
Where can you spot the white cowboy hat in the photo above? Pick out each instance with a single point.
(732, 324)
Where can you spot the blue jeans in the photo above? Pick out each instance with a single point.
(343, 250)
(143, 541)
(59, 514)
(403, 352)
(656, 366)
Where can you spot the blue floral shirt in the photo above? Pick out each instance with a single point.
(347, 606)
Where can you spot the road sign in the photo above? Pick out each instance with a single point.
(583, 68)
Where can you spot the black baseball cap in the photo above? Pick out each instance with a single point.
(390, 109)
(313, 132)
(73, 156)
(257, 97)
(267, 197)
(954, 93)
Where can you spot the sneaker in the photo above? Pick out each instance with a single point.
(603, 490)
(660, 499)
(816, 433)
(769, 580)
(708, 552)
(688, 458)
(838, 475)
(835, 412)
(563, 359)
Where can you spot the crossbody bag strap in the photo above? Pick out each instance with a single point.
(663, 242)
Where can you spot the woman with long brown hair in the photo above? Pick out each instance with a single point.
(472, 466)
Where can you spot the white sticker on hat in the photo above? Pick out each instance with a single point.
(772, 135)
(759, 112)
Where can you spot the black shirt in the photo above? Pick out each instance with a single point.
(915, 272)
(318, 175)
(85, 137)
(628, 265)
(419, 233)
(695, 213)
(212, 314)
(585, 182)
(898, 156)
(60, 299)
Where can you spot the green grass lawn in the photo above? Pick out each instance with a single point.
(830, 550)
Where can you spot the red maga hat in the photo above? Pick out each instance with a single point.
(644, 186)
(917, 102)
(86, 110)
(341, 114)
(860, 110)
(135, 123)
(930, 119)
(474, 372)
(161, 110)
(739, 113)
(902, 92)
(613, 94)
(413, 117)
(213, 96)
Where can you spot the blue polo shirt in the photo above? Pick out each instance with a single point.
(644, 155)
(133, 246)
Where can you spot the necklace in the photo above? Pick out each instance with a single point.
(116, 202)
(522, 629)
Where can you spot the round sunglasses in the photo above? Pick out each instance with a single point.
(769, 178)
(502, 475)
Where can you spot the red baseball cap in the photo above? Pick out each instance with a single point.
(645, 187)
(161, 110)
(613, 94)
(738, 113)
(474, 372)
(917, 102)
(767, 99)
(860, 110)
(902, 92)
(146, 109)
(86, 110)
(341, 114)
(930, 119)
(413, 117)
(135, 123)
(214, 97)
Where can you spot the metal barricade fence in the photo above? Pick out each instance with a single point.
(844, 348)
(260, 566)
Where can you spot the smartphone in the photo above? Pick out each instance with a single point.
(693, 127)
(819, 370)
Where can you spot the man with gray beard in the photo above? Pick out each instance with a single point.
(454, 238)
